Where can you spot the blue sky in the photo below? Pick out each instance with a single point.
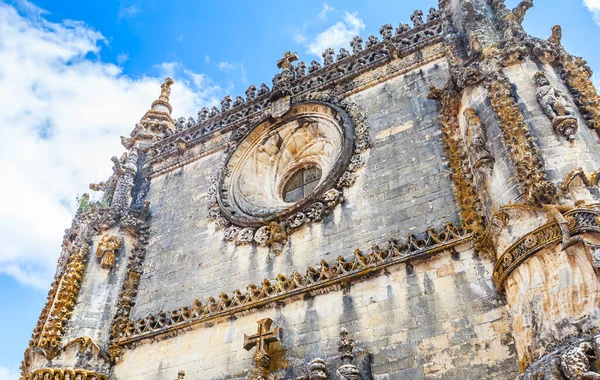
(75, 75)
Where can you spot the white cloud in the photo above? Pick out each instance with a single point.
(122, 58)
(61, 115)
(325, 10)
(226, 66)
(8, 374)
(128, 12)
(179, 38)
(594, 7)
(336, 35)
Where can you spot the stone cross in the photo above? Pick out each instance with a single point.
(286, 61)
(261, 341)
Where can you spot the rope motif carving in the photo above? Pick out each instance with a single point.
(579, 221)
(65, 374)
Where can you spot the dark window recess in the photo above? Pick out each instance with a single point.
(302, 183)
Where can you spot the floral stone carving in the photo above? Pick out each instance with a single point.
(288, 171)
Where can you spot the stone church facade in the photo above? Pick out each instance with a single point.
(422, 207)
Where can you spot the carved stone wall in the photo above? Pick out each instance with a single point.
(559, 155)
(401, 189)
(430, 319)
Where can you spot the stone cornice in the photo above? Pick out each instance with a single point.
(580, 220)
(64, 374)
(319, 279)
(338, 73)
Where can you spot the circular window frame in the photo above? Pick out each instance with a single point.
(226, 199)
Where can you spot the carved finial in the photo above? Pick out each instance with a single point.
(165, 90)
(556, 36)
(356, 44)
(386, 31)
(417, 17)
(261, 341)
(286, 61)
(347, 370)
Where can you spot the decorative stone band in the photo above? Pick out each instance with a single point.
(579, 221)
(376, 53)
(321, 278)
(64, 374)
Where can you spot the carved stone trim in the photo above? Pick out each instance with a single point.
(464, 188)
(578, 76)
(62, 303)
(321, 278)
(579, 221)
(529, 169)
(64, 374)
(376, 53)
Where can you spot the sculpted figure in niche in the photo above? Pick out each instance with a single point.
(477, 141)
(556, 106)
(107, 247)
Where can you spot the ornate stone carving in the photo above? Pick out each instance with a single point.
(417, 18)
(107, 247)
(244, 200)
(556, 106)
(578, 76)
(575, 363)
(324, 276)
(181, 375)
(477, 141)
(467, 198)
(64, 374)
(261, 340)
(578, 220)
(347, 371)
(530, 172)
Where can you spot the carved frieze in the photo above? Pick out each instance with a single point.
(65, 374)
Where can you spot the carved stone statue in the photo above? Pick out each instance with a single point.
(556, 106)
(477, 141)
(107, 247)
